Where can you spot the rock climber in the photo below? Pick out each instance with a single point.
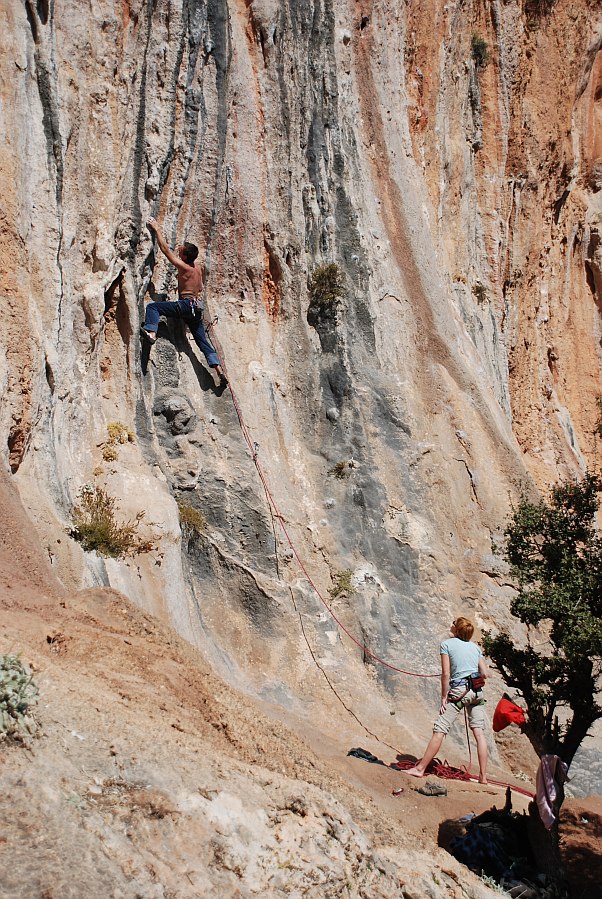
(189, 305)
(463, 673)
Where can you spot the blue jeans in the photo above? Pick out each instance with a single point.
(182, 309)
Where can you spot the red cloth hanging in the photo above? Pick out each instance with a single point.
(507, 712)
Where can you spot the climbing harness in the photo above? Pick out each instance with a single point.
(474, 682)
(195, 304)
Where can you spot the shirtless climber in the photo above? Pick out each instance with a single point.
(189, 306)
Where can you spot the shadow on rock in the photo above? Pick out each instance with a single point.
(496, 844)
(580, 842)
(178, 338)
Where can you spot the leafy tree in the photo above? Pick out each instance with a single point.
(555, 553)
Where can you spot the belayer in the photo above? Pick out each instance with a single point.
(463, 673)
(189, 306)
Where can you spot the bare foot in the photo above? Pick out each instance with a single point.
(483, 780)
(414, 772)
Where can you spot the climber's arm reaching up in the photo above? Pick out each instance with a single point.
(173, 257)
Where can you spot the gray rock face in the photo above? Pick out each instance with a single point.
(176, 409)
(462, 362)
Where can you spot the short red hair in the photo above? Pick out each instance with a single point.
(464, 629)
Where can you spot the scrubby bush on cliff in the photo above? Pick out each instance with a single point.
(117, 433)
(18, 695)
(97, 528)
(192, 520)
(326, 286)
(479, 291)
(340, 470)
(342, 583)
(535, 10)
(109, 453)
(480, 50)
(326, 289)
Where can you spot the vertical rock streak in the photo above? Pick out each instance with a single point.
(461, 202)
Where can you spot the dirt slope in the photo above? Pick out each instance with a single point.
(152, 778)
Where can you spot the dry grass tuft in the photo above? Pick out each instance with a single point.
(97, 529)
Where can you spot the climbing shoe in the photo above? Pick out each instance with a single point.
(222, 380)
(147, 336)
(432, 789)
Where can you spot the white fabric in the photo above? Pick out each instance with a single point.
(551, 774)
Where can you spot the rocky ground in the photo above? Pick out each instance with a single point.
(152, 778)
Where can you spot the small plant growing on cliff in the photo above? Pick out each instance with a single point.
(119, 433)
(479, 292)
(480, 50)
(97, 529)
(18, 695)
(342, 583)
(191, 519)
(340, 470)
(109, 453)
(326, 286)
(536, 10)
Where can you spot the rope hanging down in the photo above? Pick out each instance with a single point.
(277, 514)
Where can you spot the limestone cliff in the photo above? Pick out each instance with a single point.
(448, 158)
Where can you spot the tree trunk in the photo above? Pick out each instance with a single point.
(545, 844)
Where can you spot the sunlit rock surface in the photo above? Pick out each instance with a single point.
(460, 197)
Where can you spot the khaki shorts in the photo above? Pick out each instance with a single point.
(473, 702)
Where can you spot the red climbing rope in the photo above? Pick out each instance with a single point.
(253, 448)
(439, 769)
(448, 772)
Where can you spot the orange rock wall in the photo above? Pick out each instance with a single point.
(446, 156)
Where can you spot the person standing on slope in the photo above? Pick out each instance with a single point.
(189, 305)
(462, 664)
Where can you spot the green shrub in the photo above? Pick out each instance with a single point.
(326, 286)
(191, 519)
(480, 50)
(97, 529)
(18, 694)
(554, 549)
(342, 583)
